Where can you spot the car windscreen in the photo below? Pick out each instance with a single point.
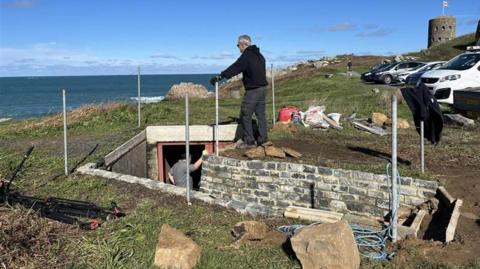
(462, 62)
(386, 67)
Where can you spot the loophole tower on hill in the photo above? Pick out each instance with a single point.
(441, 29)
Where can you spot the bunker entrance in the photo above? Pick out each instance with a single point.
(172, 153)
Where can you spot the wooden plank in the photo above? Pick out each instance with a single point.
(124, 148)
(452, 224)
(417, 221)
(374, 130)
(445, 197)
(312, 214)
(332, 122)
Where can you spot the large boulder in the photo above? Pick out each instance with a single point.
(177, 91)
(175, 250)
(326, 246)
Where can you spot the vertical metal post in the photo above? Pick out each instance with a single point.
(138, 100)
(187, 146)
(273, 95)
(216, 118)
(394, 209)
(422, 147)
(65, 151)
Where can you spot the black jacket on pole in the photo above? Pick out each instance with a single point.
(425, 108)
(252, 65)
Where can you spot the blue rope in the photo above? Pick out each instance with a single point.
(371, 243)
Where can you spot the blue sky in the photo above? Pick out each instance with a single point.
(58, 37)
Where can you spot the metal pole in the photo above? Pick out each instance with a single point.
(138, 100)
(273, 96)
(216, 118)
(394, 209)
(422, 147)
(187, 146)
(65, 131)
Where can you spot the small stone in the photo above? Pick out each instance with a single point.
(378, 118)
(401, 123)
(249, 230)
(255, 153)
(274, 152)
(292, 152)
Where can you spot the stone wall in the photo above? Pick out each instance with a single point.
(276, 185)
(441, 29)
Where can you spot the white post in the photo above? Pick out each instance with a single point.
(216, 118)
(422, 147)
(138, 100)
(273, 95)
(394, 209)
(187, 146)
(65, 151)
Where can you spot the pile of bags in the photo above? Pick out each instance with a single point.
(313, 117)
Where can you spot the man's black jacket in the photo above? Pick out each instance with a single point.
(252, 65)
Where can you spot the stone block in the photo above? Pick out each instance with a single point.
(377, 194)
(325, 171)
(338, 206)
(425, 184)
(175, 250)
(293, 167)
(309, 169)
(356, 190)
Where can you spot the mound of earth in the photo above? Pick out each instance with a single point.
(177, 91)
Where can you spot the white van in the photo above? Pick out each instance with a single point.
(459, 73)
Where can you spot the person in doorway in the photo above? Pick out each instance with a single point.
(251, 64)
(177, 173)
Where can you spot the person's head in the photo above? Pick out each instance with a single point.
(243, 42)
(183, 156)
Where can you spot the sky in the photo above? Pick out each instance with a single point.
(58, 37)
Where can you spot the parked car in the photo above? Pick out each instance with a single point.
(412, 79)
(461, 72)
(388, 74)
(367, 76)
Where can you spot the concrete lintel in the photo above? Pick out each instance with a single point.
(176, 133)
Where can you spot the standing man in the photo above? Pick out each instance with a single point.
(252, 66)
(349, 68)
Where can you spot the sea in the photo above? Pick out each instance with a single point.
(27, 97)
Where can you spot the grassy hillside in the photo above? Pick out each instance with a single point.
(447, 50)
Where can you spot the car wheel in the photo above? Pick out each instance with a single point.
(387, 79)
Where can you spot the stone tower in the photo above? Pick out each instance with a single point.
(441, 29)
(477, 36)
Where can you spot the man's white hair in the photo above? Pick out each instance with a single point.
(245, 39)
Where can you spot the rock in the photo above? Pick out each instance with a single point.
(457, 119)
(404, 212)
(328, 245)
(379, 118)
(291, 152)
(175, 250)
(274, 152)
(375, 90)
(255, 153)
(285, 127)
(249, 230)
(177, 91)
(401, 123)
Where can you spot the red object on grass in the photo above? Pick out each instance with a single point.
(285, 113)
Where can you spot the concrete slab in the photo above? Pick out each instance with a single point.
(176, 133)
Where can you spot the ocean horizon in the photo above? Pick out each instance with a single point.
(33, 96)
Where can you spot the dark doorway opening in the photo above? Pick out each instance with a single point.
(171, 155)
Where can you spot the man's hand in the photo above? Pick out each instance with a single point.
(205, 152)
(215, 79)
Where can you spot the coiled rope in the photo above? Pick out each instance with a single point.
(371, 243)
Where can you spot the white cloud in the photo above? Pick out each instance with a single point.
(380, 32)
(342, 26)
(18, 4)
